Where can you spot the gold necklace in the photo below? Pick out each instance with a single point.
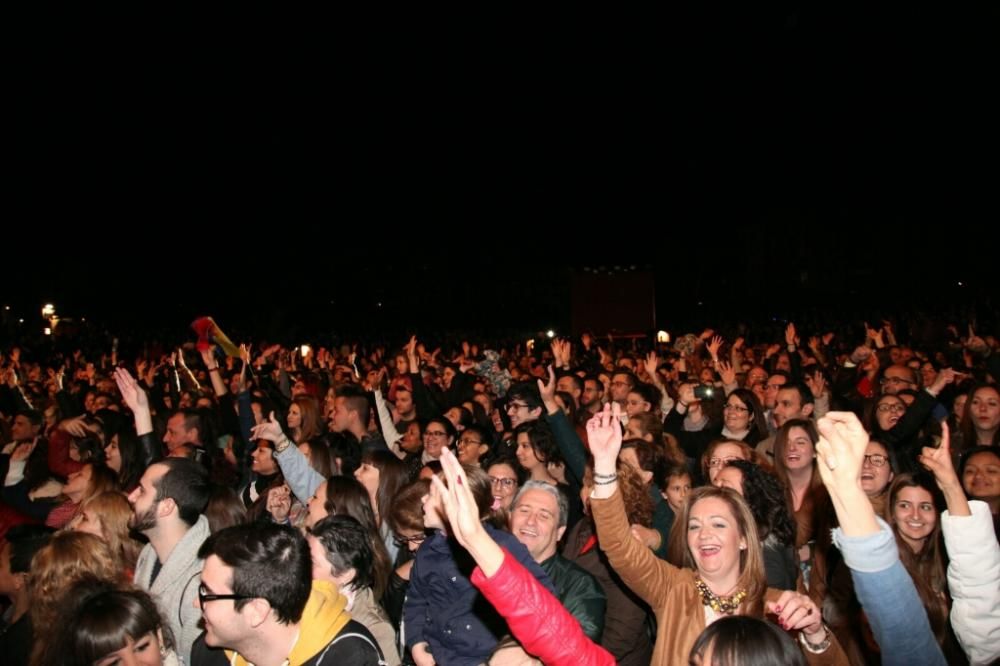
(724, 605)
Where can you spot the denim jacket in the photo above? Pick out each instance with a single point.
(886, 591)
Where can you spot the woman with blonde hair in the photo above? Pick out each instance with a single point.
(723, 572)
(106, 516)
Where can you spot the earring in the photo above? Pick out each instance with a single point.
(743, 546)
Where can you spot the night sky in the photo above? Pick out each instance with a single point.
(446, 166)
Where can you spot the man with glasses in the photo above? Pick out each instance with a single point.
(167, 508)
(260, 603)
(897, 378)
(524, 404)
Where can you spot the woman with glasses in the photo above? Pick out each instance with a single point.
(721, 451)
(439, 434)
(506, 476)
(898, 426)
(473, 445)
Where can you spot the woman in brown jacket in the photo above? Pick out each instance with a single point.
(723, 572)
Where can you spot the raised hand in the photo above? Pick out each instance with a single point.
(652, 363)
(939, 462)
(827, 338)
(841, 449)
(458, 501)
(790, 337)
(605, 435)
(816, 383)
(133, 394)
(713, 347)
(269, 430)
(727, 373)
(548, 392)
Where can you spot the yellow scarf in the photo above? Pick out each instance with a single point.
(323, 618)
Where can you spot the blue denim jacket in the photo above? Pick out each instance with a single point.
(885, 590)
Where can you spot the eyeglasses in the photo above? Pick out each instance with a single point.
(467, 442)
(894, 408)
(876, 459)
(204, 595)
(516, 405)
(435, 433)
(719, 462)
(402, 541)
(506, 482)
(735, 408)
(894, 380)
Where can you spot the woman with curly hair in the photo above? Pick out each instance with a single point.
(626, 617)
(765, 496)
(68, 558)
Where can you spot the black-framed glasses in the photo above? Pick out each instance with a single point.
(435, 433)
(506, 482)
(403, 541)
(895, 409)
(876, 459)
(516, 405)
(204, 595)
(469, 442)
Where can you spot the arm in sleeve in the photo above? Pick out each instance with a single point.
(649, 577)
(543, 626)
(569, 444)
(974, 582)
(889, 598)
(299, 474)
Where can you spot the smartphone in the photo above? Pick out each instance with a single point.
(704, 392)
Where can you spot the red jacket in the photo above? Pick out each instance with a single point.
(537, 619)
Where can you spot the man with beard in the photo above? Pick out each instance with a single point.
(167, 507)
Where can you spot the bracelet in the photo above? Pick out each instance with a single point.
(605, 476)
(281, 444)
(213, 370)
(817, 648)
(606, 483)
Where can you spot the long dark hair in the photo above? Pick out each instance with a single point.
(765, 496)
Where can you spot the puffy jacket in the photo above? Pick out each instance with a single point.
(444, 609)
(536, 618)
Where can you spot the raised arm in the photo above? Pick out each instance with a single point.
(536, 618)
(974, 560)
(884, 588)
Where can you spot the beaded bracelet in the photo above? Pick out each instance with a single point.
(606, 483)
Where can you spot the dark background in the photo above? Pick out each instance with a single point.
(426, 169)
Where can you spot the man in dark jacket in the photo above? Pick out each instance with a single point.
(538, 520)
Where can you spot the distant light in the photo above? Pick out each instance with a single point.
(550, 333)
(6, 307)
(47, 331)
(48, 310)
(378, 305)
(662, 336)
(960, 284)
(20, 321)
